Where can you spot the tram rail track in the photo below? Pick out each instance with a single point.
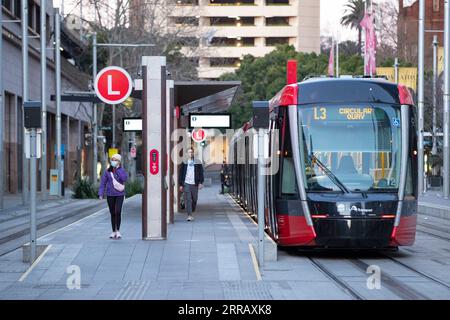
(420, 273)
(45, 226)
(335, 279)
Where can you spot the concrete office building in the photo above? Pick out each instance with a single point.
(229, 29)
(76, 117)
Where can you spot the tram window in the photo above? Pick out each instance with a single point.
(288, 185)
(409, 190)
(288, 177)
(359, 144)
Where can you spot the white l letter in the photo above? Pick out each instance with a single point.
(110, 90)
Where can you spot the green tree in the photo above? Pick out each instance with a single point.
(355, 13)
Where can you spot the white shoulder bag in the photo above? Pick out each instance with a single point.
(117, 185)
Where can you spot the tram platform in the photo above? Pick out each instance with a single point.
(434, 214)
(208, 258)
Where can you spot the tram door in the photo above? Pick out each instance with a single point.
(271, 178)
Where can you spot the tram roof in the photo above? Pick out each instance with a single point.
(342, 90)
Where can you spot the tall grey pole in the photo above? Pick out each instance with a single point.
(435, 75)
(133, 161)
(81, 20)
(113, 126)
(24, 96)
(58, 98)
(44, 100)
(365, 40)
(261, 192)
(421, 103)
(2, 117)
(396, 70)
(446, 122)
(94, 122)
(33, 160)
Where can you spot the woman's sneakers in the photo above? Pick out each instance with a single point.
(190, 218)
(115, 235)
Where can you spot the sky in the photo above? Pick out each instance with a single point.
(331, 12)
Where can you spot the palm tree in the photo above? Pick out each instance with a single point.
(354, 14)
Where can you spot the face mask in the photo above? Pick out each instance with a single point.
(114, 163)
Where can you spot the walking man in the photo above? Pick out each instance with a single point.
(190, 180)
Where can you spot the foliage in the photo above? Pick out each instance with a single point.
(389, 62)
(263, 77)
(133, 187)
(355, 13)
(84, 189)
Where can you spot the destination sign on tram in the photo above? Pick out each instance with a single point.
(342, 113)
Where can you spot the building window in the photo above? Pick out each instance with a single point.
(436, 5)
(232, 42)
(231, 2)
(8, 5)
(225, 62)
(277, 2)
(17, 10)
(186, 2)
(31, 14)
(275, 41)
(230, 22)
(277, 21)
(13, 6)
(37, 25)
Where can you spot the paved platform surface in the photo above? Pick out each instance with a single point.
(434, 198)
(209, 258)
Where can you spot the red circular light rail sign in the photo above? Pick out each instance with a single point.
(113, 85)
(198, 135)
(154, 161)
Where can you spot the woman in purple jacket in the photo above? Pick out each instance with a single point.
(114, 197)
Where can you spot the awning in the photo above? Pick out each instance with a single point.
(205, 96)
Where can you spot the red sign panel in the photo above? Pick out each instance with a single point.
(154, 161)
(198, 135)
(133, 152)
(113, 85)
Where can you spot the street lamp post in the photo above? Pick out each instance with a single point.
(446, 123)
(44, 100)
(435, 71)
(2, 115)
(94, 121)
(58, 101)
(421, 103)
(25, 176)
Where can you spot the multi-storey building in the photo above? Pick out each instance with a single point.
(227, 30)
(76, 117)
(408, 29)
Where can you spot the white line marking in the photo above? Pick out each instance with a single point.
(23, 277)
(255, 262)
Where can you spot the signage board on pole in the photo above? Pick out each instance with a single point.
(113, 85)
(132, 124)
(214, 120)
(112, 151)
(198, 135)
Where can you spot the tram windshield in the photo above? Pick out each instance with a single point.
(351, 147)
